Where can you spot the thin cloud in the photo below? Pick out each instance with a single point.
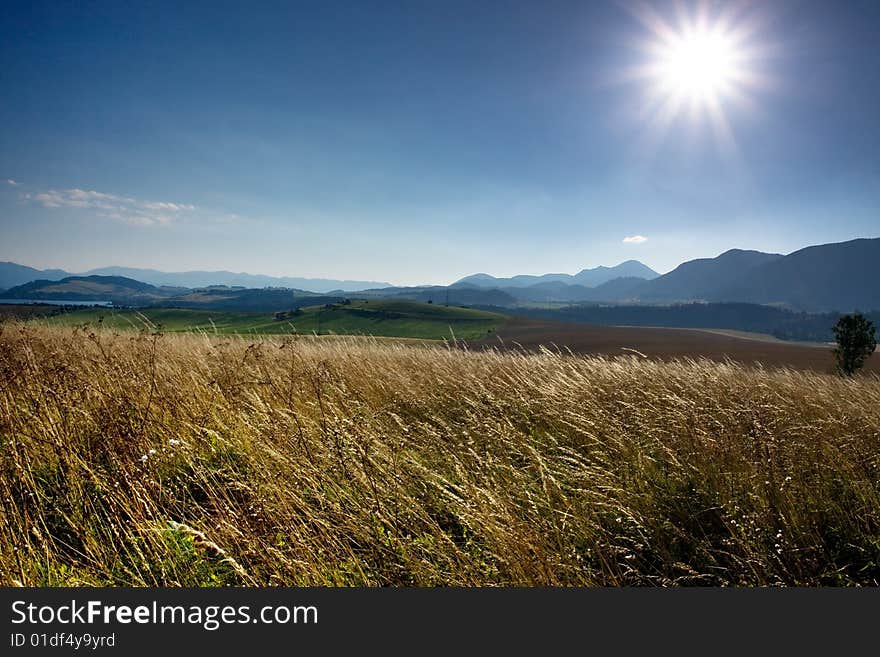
(635, 239)
(10, 181)
(131, 211)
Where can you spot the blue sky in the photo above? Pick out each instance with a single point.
(419, 142)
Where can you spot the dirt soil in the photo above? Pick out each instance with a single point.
(663, 343)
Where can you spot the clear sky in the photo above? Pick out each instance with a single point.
(417, 142)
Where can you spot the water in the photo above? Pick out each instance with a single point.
(56, 302)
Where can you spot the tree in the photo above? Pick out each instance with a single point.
(856, 341)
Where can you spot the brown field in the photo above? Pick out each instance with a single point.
(665, 344)
(139, 459)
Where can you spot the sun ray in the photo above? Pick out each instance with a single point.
(699, 66)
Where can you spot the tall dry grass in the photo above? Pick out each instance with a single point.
(140, 459)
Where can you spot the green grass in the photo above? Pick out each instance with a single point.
(379, 318)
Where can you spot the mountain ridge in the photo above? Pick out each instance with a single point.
(13, 274)
(822, 277)
(204, 278)
(838, 276)
(701, 277)
(586, 277)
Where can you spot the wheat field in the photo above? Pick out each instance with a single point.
(141, 459)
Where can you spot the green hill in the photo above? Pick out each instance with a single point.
(220, 298)
(369, 317)
(116, 289)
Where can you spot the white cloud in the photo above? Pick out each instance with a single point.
(127, 210)
(10, 181)
(635, 239)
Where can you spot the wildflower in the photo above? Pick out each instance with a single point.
(152, 452)
(174, 442)
(144, 458)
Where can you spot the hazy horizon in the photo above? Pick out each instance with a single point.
(421, 144)
(361, 278)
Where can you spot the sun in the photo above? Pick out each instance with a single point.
(697, 67)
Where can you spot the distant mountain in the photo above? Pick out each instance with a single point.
(617, 290)
(477, 280)
(199, 279)
(118, 289)
(12, 275)
(523, 280)
(843, 276)
(585, 277)
(628, 269)
(551, 291)
(828, 277)
(821, 278)
(621, 289)
(702, 279)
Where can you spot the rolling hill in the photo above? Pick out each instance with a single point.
(463, 295)
(247, 300)
(122, 291)
(367, 317)
(115, 289)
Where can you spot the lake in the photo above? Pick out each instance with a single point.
(55, 302)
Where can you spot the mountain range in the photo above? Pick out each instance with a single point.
(841, 276)
(12, 274)
(703, 278)
(829, 277)
(585, 278)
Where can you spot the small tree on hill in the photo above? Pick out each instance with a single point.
(856, 341)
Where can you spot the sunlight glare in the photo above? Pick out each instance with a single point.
(698, 66)
(700, 70)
